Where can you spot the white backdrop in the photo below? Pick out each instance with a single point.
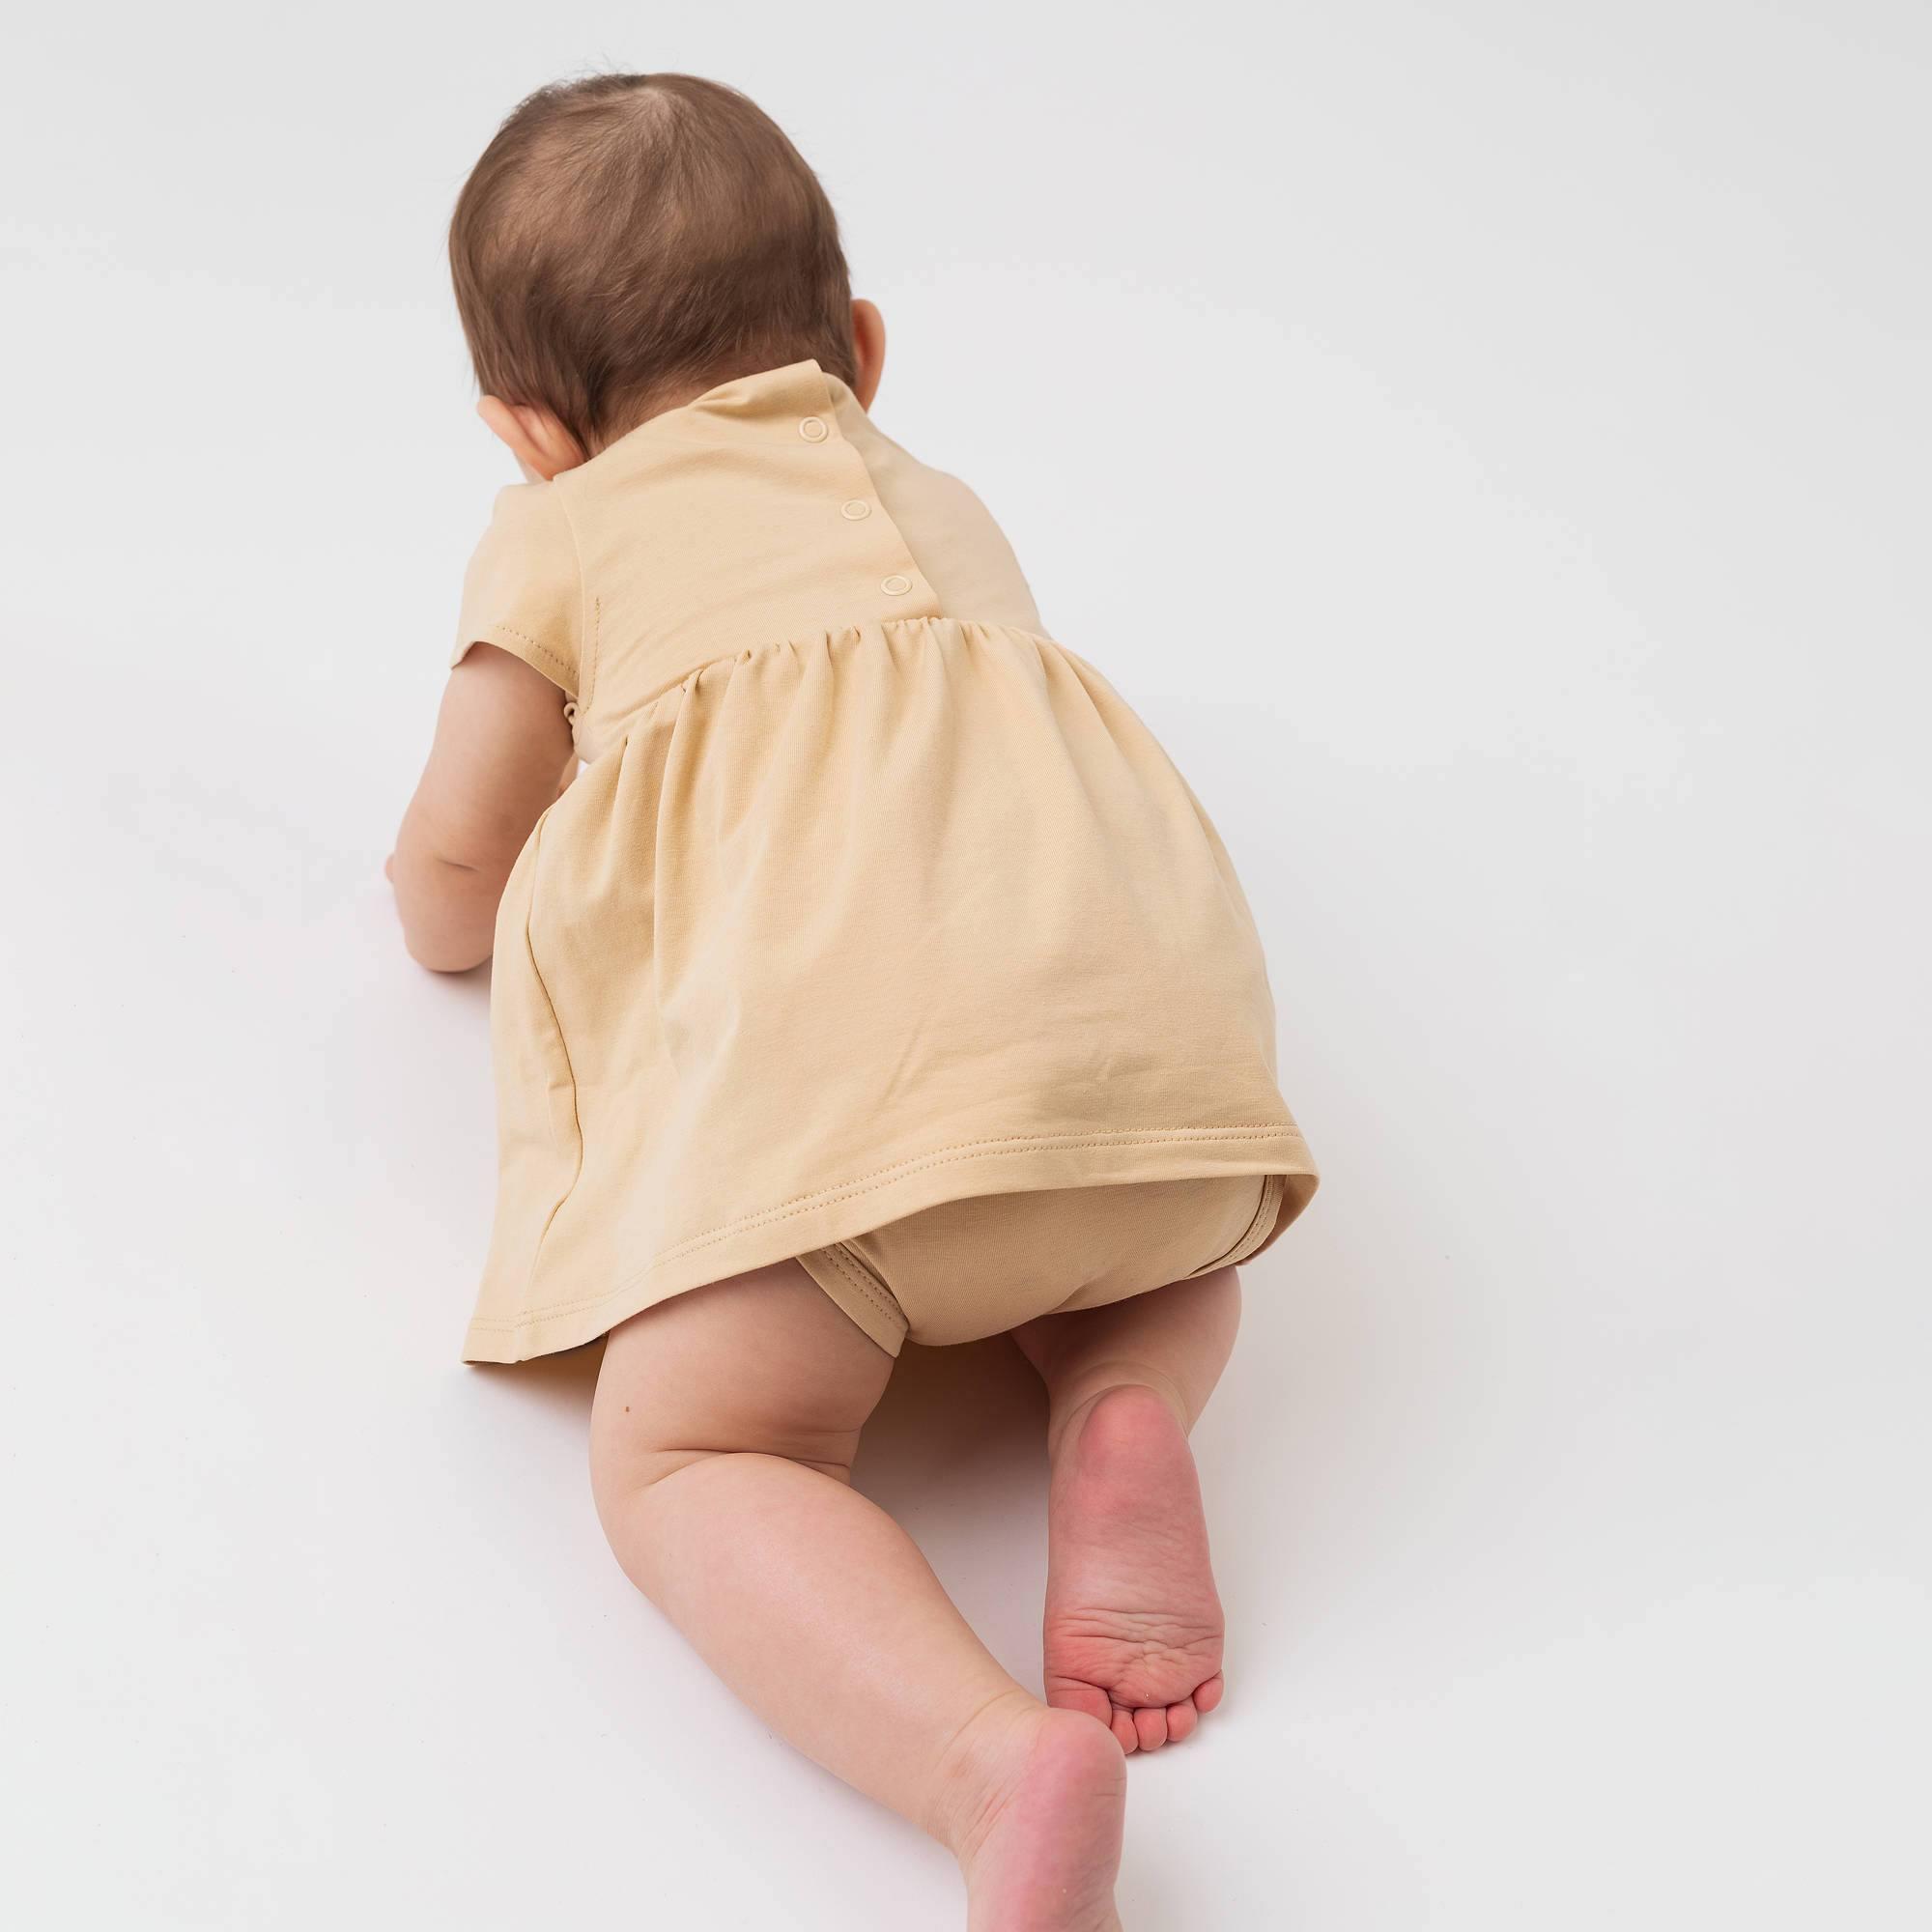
(1545, 626)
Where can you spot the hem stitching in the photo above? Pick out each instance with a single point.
(866, 1183)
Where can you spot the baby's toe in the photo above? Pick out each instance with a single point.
(1207, 1695)
(1181, 1719)
(1150, 1726)
(1122, 1727)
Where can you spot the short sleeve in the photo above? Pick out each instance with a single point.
(522, 591)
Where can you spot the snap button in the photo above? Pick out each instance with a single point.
(895, 585)
(813, 429)
(856, 511)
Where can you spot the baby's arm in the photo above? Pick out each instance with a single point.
(502, 752)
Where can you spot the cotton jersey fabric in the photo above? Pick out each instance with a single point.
(870, 896)
(987, 1264)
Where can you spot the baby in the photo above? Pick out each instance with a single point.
(879, 977)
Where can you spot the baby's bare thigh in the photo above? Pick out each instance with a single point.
(762, 1363)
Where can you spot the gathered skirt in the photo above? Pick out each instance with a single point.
(844, 927)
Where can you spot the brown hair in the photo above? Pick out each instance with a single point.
(633, 234)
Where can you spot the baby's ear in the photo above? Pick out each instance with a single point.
(541, 444)
(869, 347)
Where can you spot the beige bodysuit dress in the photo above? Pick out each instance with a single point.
(877, 931)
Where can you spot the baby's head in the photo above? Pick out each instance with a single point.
(627, 243)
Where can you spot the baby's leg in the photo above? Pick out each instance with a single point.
(721, 1445)
(1133, 1627)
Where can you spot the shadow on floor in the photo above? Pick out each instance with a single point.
(561, 1385)
(956, 1454)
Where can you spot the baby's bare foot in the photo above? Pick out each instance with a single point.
(1133, 1628)
(1042, 1844)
